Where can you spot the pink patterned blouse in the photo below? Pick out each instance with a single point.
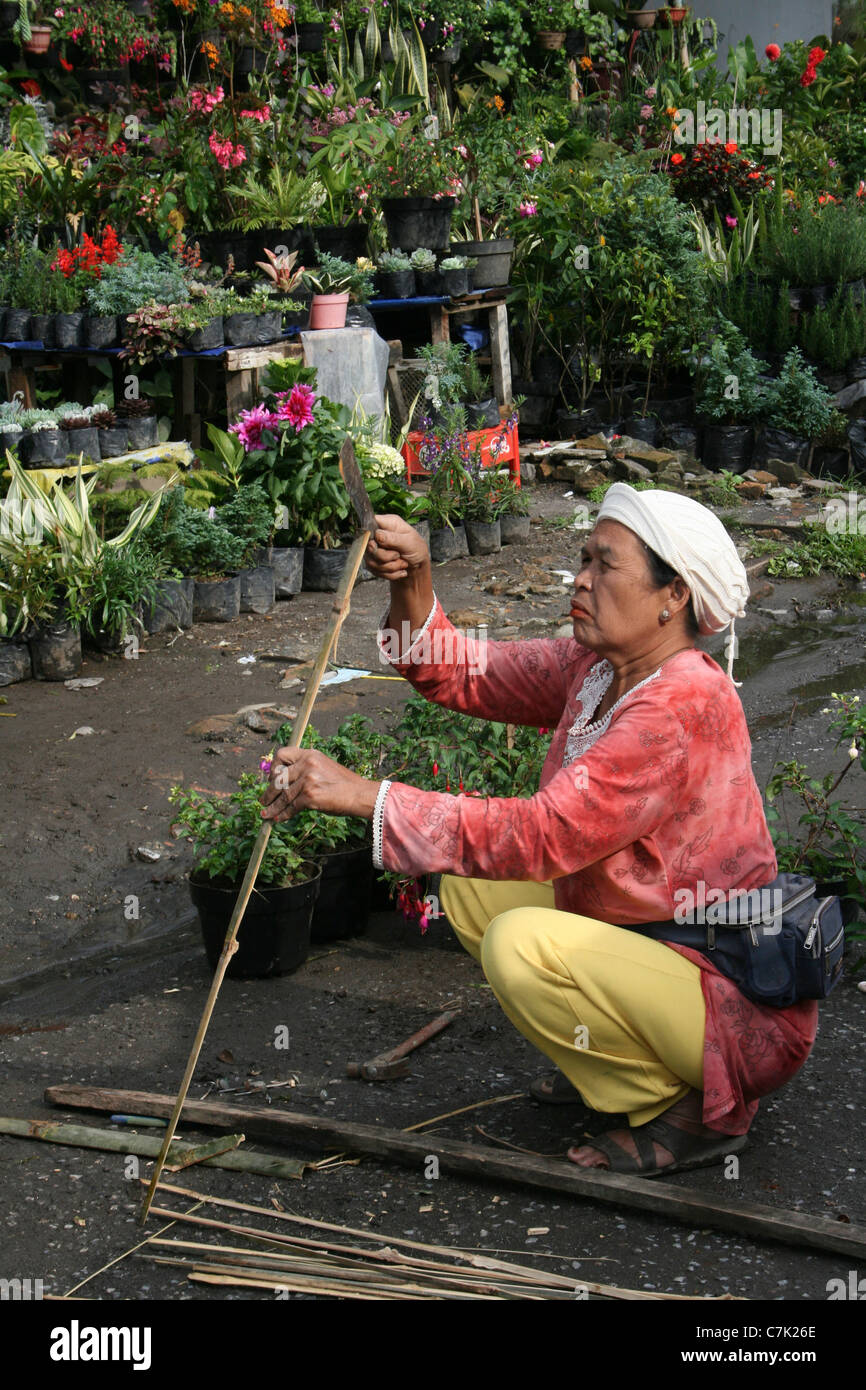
(653, 798)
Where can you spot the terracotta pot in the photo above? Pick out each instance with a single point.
(40, 39)
(642, 19)
(329, 310)
(551, 39)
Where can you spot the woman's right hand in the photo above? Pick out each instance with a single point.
(396, 550)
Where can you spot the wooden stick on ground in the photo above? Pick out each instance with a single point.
(339, 612)
(657, 1196)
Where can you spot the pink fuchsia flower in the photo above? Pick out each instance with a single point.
(252, 425)
(297, 407)
(773, 52)
(527, 209)
(534, 159)
(731, 221)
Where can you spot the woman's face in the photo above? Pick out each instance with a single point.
(615, 609)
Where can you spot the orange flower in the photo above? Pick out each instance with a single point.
(499, 103)
(586, 63)
(677, 158)
(670, 110)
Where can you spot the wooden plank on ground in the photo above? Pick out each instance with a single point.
(618, 1189)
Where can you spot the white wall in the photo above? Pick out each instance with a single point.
(768, 21)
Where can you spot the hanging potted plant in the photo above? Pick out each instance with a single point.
(274, 937)
(32, 29)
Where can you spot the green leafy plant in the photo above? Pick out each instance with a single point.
(136, 279)
(223, 831)
(820, 246)
(728, 389)
(796, 401)
(153, 331)
(122, 581)
(333, 275)
(831, 843)
(423, 259)
(393, 262)
(194, 542)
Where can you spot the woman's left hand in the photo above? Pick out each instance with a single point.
(302, 779)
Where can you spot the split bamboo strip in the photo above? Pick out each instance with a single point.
(531, 1276)
(313, 1283)
(452, 1276)
(148, 1146)
(340, 608)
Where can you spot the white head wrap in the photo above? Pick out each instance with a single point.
(691, 539)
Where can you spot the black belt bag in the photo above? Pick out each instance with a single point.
(778, 944)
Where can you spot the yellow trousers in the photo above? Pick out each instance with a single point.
(620, 1014)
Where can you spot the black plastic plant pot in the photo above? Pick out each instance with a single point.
(252, 330)
(416, 222)
(642, 427)
(396, 284)
(257, 589)
(685, 437)
(856, 370)
(493, 257)
(535, 413)
(831, 463)
(42, 329)
(482, 415)
(455, 282)
(781, 444)
(816, 296)
(38, 447)
(431, 34)
(349, 242)
(101, 331)
(55, 650)
(274, 936)
(727, 447)
(217, 600)
(446, 544)
(15, 662)
(311, 38)
(449, 52)
(249, 60)
(83, 441)
(343, 905)
(483, 537)
(9, 438)
(209, 336)
(4, 310)
(68, 330)
(112, 442)
(288, 566)
(514, 529)
(323, 569)
(142, 431)
(16, 328)
(171, 608)
(429, 282)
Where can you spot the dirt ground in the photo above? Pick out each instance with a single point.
(89, 996)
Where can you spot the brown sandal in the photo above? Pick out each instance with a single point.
(688, 1150)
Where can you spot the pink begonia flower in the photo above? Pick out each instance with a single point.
(252, 424)
(297, 408)
(527, 209)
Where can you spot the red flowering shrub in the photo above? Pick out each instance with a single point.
(90, 256)
(707, 175)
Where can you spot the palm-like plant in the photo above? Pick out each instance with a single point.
(287, 200)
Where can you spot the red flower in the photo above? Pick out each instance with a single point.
(31, 88)
(67, 67)
(677, 158)
(773, 52)
(731, 147)
(816, 56)
(808, 77)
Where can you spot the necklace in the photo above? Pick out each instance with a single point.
(586, 731)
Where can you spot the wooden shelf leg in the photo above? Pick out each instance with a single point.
(440, 327)
(500, 354)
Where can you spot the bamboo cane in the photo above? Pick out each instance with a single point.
(339, 611)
